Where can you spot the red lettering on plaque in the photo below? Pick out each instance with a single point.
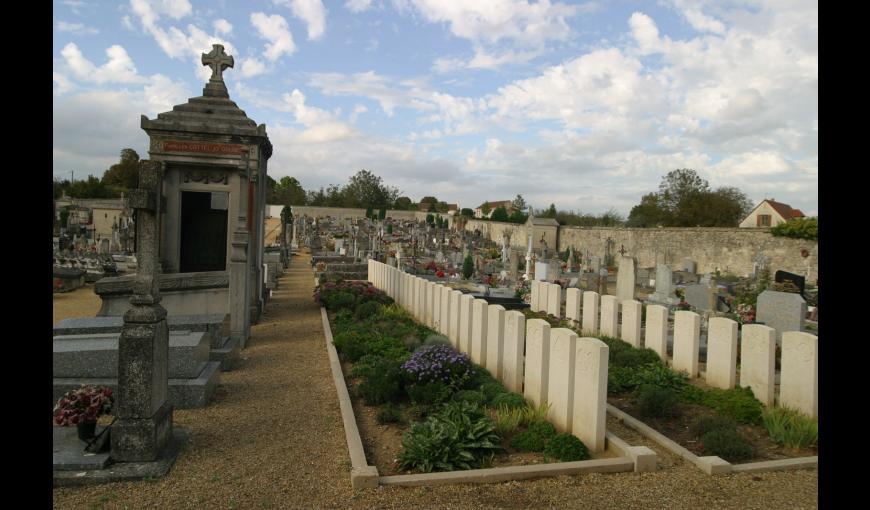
(208, 148)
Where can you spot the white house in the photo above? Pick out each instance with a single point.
(770, 213)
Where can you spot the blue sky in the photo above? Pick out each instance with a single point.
(582, 104)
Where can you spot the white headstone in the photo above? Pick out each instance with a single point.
(590, 393)
(554, 300)
(455, 296)
(590, 312)
(536, 376)
(631, 314)
(513, 359)
(758, 361)
(573, 298)
(560, 388)
(721, 353)
(479, 323)
(609, 316)
(799, 376)
(687, 343)
(626, 278)
(465, 313)
(495, 319)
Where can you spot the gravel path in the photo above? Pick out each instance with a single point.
(272, 438)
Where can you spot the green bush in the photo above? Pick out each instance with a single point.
(467, 267)
(621, 379)
(509, 400)
(383, 383)
(508, 419)
(492, 389)
(635, 358)
(738, 403)
(726, 443)
(449, 440)
(535, 438)
(704, 424)
(566, 448)
(657, 402)
(472, 396)
(389, 413)
(481, 376)
(364, 365)
(366, 310)
(790, 427)
(430, 393)
(435, 340)
(798, 228)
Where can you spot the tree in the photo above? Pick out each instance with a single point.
(500, 214)
(468, 213)
(402, 204)
(519, 204)
(288, 191)
(365, 189)
(550, 212)
(518, 216)
(124, 175)
(486, 209)
(90, 188)
(430, 218)
(649, 213)
(467, 267)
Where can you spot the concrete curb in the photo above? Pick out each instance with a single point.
(712, 465)
(362, 475)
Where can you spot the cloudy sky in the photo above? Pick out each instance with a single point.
(585, 104)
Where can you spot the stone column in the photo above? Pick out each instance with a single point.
(536, 373)
(560, 388)
(143, 411)
(758, 361)
(240, 318)
(513, 359)
(721, 353)
(631, 312)
(687, 343)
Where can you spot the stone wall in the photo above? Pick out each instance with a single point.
(732, 250)
(351, 213)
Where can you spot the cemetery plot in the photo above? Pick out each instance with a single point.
(420, 405)
(707, 421)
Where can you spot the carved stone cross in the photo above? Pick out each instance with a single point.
(622, 249)
(218, 61)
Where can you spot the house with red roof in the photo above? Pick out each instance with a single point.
(770, 213)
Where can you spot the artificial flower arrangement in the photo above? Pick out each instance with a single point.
(83, 405)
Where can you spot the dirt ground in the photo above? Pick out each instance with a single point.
(272, 437)
(82, 302)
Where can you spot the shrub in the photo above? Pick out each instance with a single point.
(798, 228)
(435, 340)
(509, 400)
(429, 393)
(726, 443)
(383, 383)
(481, 376)
(657, 402)
(467, 267)
(738, 403)
(366, 310)
(348, 294)
(790, 427)
(622, 379)
(364, 365)
(535, 438)
(449, 440)
(635, 358)
(704, 424)
(389, 413)
(566, 448)
(472, 396)
(491, 389)
(439, 363)
(508, 420)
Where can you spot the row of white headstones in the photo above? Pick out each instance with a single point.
(798, 386)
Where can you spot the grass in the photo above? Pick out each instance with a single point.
(790, 427)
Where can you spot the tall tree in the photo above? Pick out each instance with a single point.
(550, 212)
(500, 214)
(124, 175)
(486, 208)
(402, 204)
(519, 203)
(288, 191)
(365, 189)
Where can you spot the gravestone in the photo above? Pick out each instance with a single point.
(664, 293)
(542, 271)
(689, 265)
(782, 311)
(697, 295)
(626, 278)
(784, 276)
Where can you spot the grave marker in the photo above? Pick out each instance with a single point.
(536, 376)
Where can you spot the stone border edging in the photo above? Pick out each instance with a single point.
(633, 458)
(712, 465)
(362, 475)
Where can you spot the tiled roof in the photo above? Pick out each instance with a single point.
(785, 210)
(499, 203)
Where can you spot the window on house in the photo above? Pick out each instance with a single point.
(763, 220)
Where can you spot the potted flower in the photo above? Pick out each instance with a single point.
(82, 407)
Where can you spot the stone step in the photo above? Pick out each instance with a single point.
(183, 393)
(211, 323)
(96, 355)
(227, 355)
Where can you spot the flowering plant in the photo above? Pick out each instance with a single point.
(440, 274)
(439, 363)
(746, 313)
(83, 405)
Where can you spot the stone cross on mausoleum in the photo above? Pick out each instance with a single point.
(218, 61)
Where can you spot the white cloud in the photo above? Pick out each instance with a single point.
(128, 24)
(252, 66)
(223, 26)
(312, 13)
(149, 11)
(62, 84)
(119, 68)
(275, 30)
(76, 28)
(358, 5)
